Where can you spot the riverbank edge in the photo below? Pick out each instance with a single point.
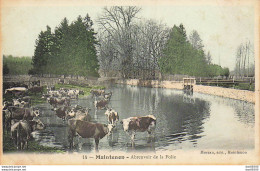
(243, 95)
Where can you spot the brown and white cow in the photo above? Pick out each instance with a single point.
(56, 101)
(18, 113)
(87, 129)
(62, 112)
(101, 104)
(112, 116)
(107, 95)
(139, 124)
(79, 114)
(97, 92)
(21, 131)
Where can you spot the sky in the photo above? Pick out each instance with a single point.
(222, 28)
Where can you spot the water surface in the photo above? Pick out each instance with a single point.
(197, 121)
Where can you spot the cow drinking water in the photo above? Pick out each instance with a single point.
(139, 124)
(87, 129)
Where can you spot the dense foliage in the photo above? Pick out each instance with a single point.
(16, 65)
(183, 56)
(69, 50)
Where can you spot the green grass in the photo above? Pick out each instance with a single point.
(86, 89)
(245, 86)
(240, 86)
(37, 98)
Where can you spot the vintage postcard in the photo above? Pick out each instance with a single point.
(130, 82)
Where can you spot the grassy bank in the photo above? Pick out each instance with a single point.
(239, 86)
(245, 86)
(86, 89)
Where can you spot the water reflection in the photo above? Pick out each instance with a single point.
(183, 121)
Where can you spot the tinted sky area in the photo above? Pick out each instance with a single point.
(222, 27)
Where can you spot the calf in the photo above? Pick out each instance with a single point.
(21, 130)
(139, 124)
(87, 129)
(101, 104)
(112, 116)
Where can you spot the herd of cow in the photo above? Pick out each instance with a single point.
(20, 118)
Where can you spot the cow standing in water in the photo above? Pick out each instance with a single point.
(87, 129)
(97, 92)
(21, 132)
(23, 113)
(101, 104)
(112, 116)
(139, 124)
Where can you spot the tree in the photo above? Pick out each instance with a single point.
(42, 51)
(174, 52)
(70, 50)
(225, 72)
(150, 38)
(208, 58)
(244, 59)
(181, 57)
(195, 40)
(5, 69)
(116, 23)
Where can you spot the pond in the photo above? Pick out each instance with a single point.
(197, 121)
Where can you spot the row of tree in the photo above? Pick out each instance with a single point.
(16, 65)
(68, 50)
(245, 64)
(132, 47)
(126, 46)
